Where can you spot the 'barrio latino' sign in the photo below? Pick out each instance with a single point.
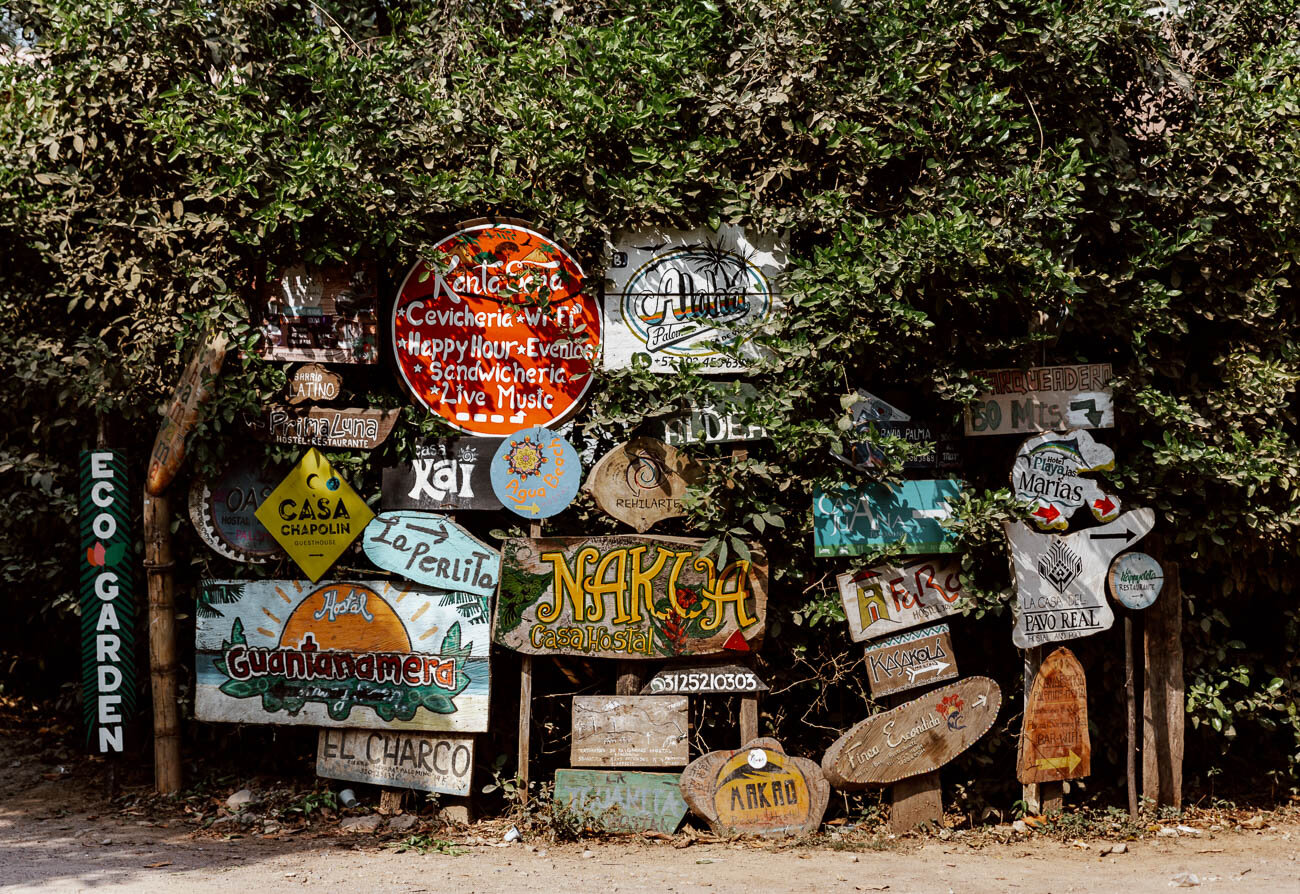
(886, 599)
(627, 597)
(851, 522)
(493, 332)
(366, 654)
(673, 296)
(107, 600)
(1045, 398)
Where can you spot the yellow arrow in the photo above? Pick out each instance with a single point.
(532, 507)
(1068, 762)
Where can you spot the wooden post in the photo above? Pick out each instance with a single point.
(526, 706)
(1130, 702)
(630, 678)
(1039, 797)
(390, 800)
(162, 643)
(749, 701)
(917, 800)
(1164, 701)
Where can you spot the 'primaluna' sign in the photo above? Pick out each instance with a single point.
(107, 599)
(698, 296)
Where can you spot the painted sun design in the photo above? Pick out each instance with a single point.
(525, 459)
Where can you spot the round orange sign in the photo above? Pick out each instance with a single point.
(493, 332)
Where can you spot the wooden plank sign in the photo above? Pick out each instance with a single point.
(348, 428)
(366, 654)
(425, 762)
(852, 521)
(717, 416)
(757, 790)
(183, 411)
(535, 473)
(622, 800)
(887, 599)
(1061, 578)
(642, 482)
(433, 550)
(323, 314)
(907, 660)
(704, 678)
(445, 476)
(672, 296)
(917, 737)
(1045, 398)
(1135, 579)
(314, 514)
(870, 414)
(1048, 474)
(1054, 743)
(630, 731)
(223, 512)
(627, 597)
(314, 382)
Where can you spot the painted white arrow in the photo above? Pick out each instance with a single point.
(980, 702)
(937, 667)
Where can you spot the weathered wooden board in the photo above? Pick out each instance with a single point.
(704, 678)
(323, 314)
(1164, 697)
(314, 382)
(451, 475)
(627, 597)
(717, 416)
(367, 654)
(223, 512)
(914, 738)
(1135, 580)
(314, 514)
(426, 762)
(673, 296)
(630, 731)
(1054, 743)
(1048, 474)
(870, 416)
(888, 599)
(852, 521)
(622, 800)
(907, 660)
(347, 428)
(1061, 578)
(433, 550)
(1045, 398)
(642, 482)
(757, 790)
(535, 473)
(192, 391)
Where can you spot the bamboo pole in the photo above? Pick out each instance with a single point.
(162, 643)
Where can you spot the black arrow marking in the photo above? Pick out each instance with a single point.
(438, 536)
(1126, 536)
(1094, 415)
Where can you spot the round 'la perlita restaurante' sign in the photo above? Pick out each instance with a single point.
(493, 332)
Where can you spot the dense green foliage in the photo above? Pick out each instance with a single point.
(964, 186)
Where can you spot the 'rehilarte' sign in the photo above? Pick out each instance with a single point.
(107, 600)
(493, 333)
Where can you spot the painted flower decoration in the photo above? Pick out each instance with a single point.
(525, 458)
(949, 708)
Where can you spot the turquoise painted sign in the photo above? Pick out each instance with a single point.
(536, 473)
(433, 550)
(851, 521)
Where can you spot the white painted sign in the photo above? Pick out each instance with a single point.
(1048, 474)
(427, 762)
(1136, 579)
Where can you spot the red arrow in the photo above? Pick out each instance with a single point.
(736, 643)
(1048, 513)
(1105, 505)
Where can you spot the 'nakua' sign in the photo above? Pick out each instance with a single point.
(107, 599)
(493, 333)
(672, 296)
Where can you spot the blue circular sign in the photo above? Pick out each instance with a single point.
(536, 473)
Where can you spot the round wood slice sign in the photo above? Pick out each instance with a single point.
(918, 737)
(1135, 579)
(493, 332)
(222, 512)
(757, 789)
(642, 482)
(1054, 743)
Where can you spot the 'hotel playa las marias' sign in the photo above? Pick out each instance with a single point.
(493, 333)
(342, 653)
(627, 597)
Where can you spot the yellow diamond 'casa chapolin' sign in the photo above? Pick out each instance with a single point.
(314, 514)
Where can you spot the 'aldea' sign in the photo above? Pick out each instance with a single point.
(627, 597)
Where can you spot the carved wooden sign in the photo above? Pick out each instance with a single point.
(869, 414)
(349, 428)
(851, 521)
(322, 314)
(222, 512)
(1048, 474)
(622, 800)
(757, 789)
(366, 654)
(1045, 398)
(918, 737)
(704, 678)
(451, 475)
(627, 597)
(715, 417)
(1061, 578)
(1135, 579)
(313, 382)
(887, 599)
(426, 762)
(641, 482)
(433, 550)
(192, 391)
(630, 731)
(1054, 743)
(907, 660)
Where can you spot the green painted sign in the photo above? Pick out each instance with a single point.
(622, 800)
